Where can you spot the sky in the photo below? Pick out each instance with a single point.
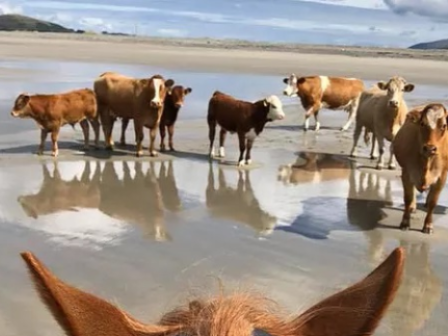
(389, 23)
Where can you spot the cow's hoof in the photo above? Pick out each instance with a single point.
(342, 129)
(54, 154)
(353, 155)
(138, 154)
(404, 226)
(373, 157)
(248, 162)
(379, 167)
(109, 148)
(427, 230)
(392, 167)
(172, 149)
(241, 164)
(40, 153)
(154, 154)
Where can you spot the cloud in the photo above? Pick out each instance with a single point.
(428, 8)
(7, 8)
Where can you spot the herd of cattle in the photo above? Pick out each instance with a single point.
(418, 136)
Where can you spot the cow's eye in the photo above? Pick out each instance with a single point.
(443, 127)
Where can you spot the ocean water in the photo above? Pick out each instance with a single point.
(256, 20)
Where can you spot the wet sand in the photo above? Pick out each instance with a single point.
(148, 233)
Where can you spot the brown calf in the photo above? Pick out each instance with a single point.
(52, 111)
(245, 118)
(356, 310)
(174, 100)
(316, 92)
(131, 98)
(421, 149)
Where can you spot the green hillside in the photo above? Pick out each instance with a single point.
(13, 22)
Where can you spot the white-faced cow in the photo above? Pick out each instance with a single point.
(316, 92)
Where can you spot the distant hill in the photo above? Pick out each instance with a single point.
(439, 44)
(13, 22)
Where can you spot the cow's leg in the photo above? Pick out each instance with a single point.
(95, 123)
(170, 137)
(85, 131)
(162, 131)
(124, 126)
(43, 137)
(211, 135)
(372, 151)
(107, 123)
(242, 142)
(152, 140)
(356, 135)
(316, 120)
(351, 115)
(222, 139)
(138, 129)
(431, 202)
(409, 200)
(381, 145)
(249, 144)
(310, 111)
(391, 164)
(54, 142)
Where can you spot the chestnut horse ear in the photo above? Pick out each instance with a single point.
(83, 314)
(357, 310)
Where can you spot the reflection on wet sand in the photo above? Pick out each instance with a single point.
(237, 204)
(314, 167)
(419, 293)
(57, 195)
(365, 204)
(140, 200)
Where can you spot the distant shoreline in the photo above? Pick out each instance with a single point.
(226, 44)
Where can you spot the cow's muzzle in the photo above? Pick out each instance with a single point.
(156, 104)
(393, 103)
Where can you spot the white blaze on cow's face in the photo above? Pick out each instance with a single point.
(21, 106)
(291, 86)
(395, 88)
(275, 108)
(157, 100)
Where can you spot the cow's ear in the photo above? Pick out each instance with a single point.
(169, 83)
(83, 314)
(285, 80)
(409, 87)
(188, 90)
(358, 309)
(24, 98)
(265, 103)
(382, 85)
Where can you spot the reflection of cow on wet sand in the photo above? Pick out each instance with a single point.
(136, 200)
(237, 204)
(365, 203)
(314, 167)
(56, 195)
(168, 187)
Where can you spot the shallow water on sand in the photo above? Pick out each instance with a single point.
(147, 234)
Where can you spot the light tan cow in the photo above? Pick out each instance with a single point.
(354, 311)
(421, 149)
(316, 92)
(131, 98)
(382, 110)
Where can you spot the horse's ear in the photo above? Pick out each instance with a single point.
(357, 310)
(83, 314)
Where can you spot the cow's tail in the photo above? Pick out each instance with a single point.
(367, 136)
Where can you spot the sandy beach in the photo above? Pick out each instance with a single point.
(95, 218)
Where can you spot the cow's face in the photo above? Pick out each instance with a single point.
(275, 108)
(433, 123)
(21, 108)
(395, 88)
(291, 86)
(177, 95)
(161, 88)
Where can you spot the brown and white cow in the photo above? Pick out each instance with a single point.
(52, 111)
(316, 92)
(245, 118)
(382, 111)
(172, 104)
(131, 98)
(353, 311)
(421, 149)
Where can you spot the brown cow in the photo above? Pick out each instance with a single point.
(131, 98)
(356, 310)
(316, 92)
(421, 149)
(52, 111)
(56, 195)
(382, 110)
(174, 100)
(245, 118)
(237, 204)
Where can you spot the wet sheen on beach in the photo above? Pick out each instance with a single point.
(302, 221)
